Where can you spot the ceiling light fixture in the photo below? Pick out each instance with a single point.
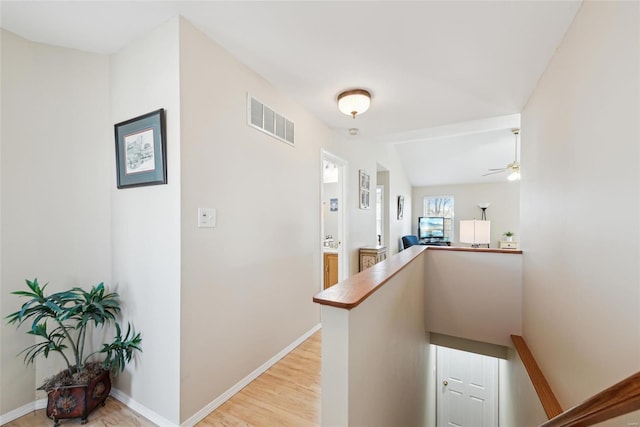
(515, 175)
(353, 102)
(513, 167)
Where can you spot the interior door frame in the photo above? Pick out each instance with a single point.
(343, 262)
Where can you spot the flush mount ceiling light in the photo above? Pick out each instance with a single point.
(353, 102)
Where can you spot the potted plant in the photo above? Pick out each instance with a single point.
(60, 322)
(508, 235)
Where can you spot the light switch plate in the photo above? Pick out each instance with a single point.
(206, 217)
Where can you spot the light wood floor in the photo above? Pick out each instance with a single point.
(288, 394)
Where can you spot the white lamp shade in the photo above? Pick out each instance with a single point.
(354, 102)
(475, 232)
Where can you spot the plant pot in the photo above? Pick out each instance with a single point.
(78, 401)
(509, 238)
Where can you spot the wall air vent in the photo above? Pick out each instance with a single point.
(263, 118)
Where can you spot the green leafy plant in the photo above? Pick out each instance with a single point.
(508, 234)
(61, 321)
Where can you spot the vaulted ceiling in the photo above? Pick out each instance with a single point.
(428, 64)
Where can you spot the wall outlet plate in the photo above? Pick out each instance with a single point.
(206, 217)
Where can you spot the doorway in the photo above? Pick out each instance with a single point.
(467, 385)
(383, 212)
(380, 235)
(334, 265)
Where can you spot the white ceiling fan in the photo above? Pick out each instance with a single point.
(513, 167)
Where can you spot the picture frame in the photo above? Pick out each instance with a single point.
(400, 207)
(333, 205)
(364, 189)
(141, 150)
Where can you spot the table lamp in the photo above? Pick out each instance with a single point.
(475, 232)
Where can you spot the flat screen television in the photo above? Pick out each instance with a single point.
(431, 227)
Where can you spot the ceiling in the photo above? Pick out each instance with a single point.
(430, 65)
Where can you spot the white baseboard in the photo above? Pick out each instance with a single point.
(141, 409)
(202, 413)
(160, 420)
(22, 411)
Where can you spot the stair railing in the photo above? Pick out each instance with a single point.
(619, 399)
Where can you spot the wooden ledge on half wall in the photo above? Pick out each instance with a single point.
(354, 290)
(469, 249)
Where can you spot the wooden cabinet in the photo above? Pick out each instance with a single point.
(330, 269)
(370, 255)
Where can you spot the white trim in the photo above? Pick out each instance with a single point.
(41, 404)
(141, 409)
(202, 413)
(22, 411)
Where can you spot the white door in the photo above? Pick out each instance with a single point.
(467, 389)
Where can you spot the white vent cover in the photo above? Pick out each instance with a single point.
(268, 121)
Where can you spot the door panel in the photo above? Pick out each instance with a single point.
(468, 385)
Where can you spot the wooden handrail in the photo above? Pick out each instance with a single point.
(549, 402)
(351, 292)
(477, 250)
(619, 399)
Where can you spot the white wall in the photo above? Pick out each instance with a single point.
(55, 189)
(248, 284)
(474, 295)
(384, 335)
(504, 212)
(580, 214)
(519, 403)
(146, 223)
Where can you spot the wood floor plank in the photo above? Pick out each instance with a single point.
(286, 395)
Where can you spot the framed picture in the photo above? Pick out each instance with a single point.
(364, 189)
(400, 207)
(333, 205)
(141, 150)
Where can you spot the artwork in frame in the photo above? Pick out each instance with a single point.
(141, 150)
(400, 207)
(333, 205)
(364, 189)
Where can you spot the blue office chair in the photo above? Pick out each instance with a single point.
(408, 241)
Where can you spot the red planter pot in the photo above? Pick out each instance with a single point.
(78, 401)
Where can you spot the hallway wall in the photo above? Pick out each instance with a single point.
(580, 206)
(55, 203)
(248, 283)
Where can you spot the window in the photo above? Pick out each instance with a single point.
(441, 206)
